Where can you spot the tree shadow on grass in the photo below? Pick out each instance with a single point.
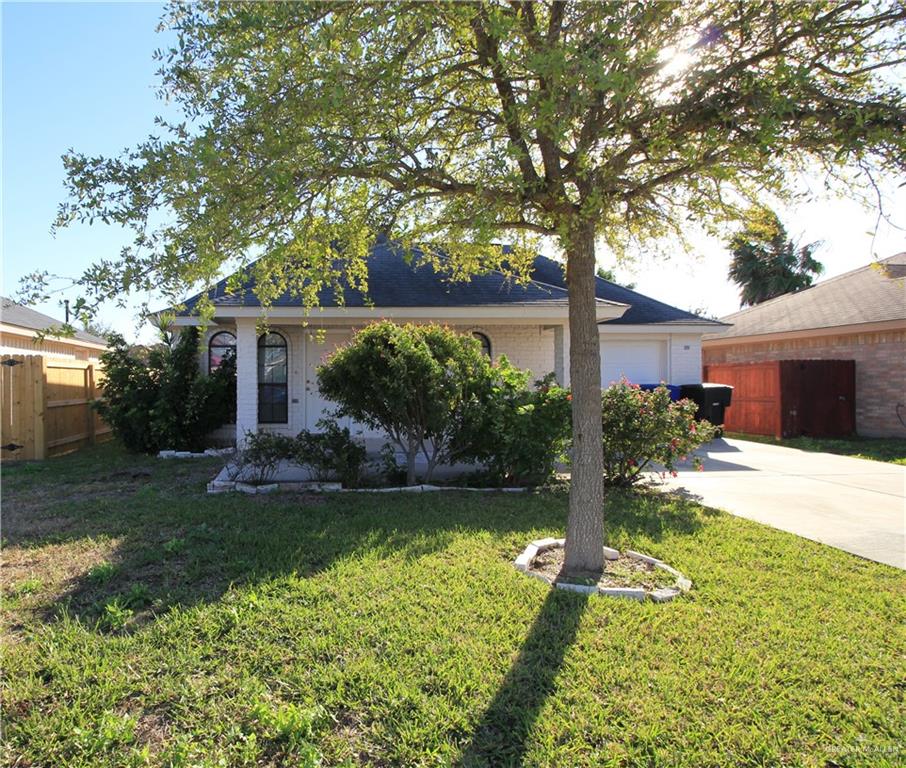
(645, 512)
(143, 534)
(501, 736)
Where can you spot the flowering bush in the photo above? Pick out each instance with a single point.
(645, 427)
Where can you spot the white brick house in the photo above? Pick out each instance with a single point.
(645, 340)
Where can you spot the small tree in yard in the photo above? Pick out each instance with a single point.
(312, 126)
(416, 383)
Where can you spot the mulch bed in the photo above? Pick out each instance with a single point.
(623, 572)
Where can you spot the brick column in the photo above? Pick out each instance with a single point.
(561, 354)
(246, 378)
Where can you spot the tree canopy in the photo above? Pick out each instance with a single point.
(311, 126)
(766, 263)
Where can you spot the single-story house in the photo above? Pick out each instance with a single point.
(643, 339)
(860, 316)
(19, 327)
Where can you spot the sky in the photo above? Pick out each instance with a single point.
(83, 76)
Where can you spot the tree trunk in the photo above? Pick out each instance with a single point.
(585, 525)
(411, 453)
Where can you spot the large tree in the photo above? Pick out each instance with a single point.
(312, 126)
(766, 263)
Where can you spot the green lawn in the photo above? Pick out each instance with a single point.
(148, 623)
(892, 450)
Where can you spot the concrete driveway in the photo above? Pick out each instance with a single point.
(855, 505)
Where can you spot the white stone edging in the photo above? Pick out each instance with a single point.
(206, 454)
(523, 563)
(229, 486)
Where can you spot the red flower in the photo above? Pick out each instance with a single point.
(569, 398)
(700, 468)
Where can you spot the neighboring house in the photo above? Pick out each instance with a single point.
(858, 316)
(642, 339)
(19, 327)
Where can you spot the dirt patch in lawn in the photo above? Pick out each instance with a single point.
(625, 571)
(36, 579)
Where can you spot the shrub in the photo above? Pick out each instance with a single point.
(389, 469)
(416, 383)
(644, 427)
(331, 453)
(130, 393)
(520, 433)
(164, 401)
(260, 457)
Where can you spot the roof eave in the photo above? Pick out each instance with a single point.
(33, 333)
(548, 310)
(675, 327)
(715, 340)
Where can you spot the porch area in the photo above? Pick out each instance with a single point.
(276, 372)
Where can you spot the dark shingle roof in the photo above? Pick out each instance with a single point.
(394, 282)
(642, 310)
(26, 317)
(871, 294)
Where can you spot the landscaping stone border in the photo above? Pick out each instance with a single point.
(206, 454)
(230, 486)
(523, 563)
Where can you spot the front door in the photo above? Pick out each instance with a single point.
(318, 347)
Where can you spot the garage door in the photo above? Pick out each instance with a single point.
(642, 362)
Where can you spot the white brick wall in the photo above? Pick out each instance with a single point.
(527, 346)
(685, 358)
(246, 378)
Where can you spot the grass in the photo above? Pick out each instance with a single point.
(891, 450)
(147, 623)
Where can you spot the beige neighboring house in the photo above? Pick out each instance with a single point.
(860, 316)
(19, 335)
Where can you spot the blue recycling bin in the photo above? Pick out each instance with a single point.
(672, 388)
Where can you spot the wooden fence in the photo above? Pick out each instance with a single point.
(46, 406)
(789, 398)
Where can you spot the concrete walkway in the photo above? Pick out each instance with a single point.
(855, 505)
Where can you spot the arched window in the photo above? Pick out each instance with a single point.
(484, 341)
(273, 392)
(221, 346)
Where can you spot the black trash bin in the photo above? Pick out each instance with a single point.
(712, 401)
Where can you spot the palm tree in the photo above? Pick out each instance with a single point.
(766, 262)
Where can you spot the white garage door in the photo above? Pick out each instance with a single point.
(641, 362)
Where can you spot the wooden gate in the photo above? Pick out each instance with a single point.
(789, 398)
(46, 406)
